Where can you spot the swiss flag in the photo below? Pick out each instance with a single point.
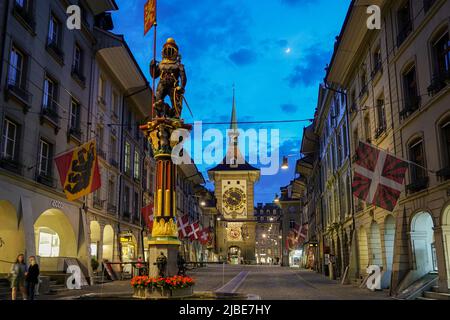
(378, 177)
(204, 236)
(147, 214)
(184, 227)
(195, 231)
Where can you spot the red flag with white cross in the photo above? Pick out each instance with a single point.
(147, 214)
(184, 227)
(204, 236)
(379, 177)
(195, 231)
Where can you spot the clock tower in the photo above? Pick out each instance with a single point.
(234, 181)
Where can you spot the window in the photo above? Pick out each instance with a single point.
(54, 32)
(113, 148)
(412, 99)
(381, 114)
(417, 157)
(75, 111)
(367, 129)
(126, 200)
(24, 4)
(49, 98)
(16, 71)
(344, 136)
(101, 89)
(49, 243)
(115, 104)
(136, 204)
(136, 165)
(363, 80)
(77, 63)
(9, 140)
(445, 135)
(45, 158)
(292, 224)
(404, 22)
(127, 157)
(111, 192)
(441, 63)
(377, 61)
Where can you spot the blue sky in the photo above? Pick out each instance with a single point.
(274, 51)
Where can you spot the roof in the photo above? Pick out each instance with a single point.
(233, 151)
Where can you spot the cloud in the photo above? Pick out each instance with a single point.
(288, 108)
(311, 69)
(243, 57)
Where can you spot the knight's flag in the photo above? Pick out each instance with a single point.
(147, 214)
(378, 177)
(78, 171)
(149, 15)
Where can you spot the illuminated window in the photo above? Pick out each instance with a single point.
(49, 243)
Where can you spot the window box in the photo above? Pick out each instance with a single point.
(46, 180)
(112, 208)
(75, 133)
(78, 76)
(438, 82)
(25, 17)
(419, 184)
(11, 165)
(20, 95)
(54, 49)
(444, 173)
(411, 105)
(98, 203)
(379, 132)
(378, 68)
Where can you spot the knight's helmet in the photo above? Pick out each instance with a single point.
(170, 50)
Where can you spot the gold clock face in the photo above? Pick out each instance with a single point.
(234, 199)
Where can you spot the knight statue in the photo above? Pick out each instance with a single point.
(172, 81)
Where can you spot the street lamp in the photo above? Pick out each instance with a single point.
(277, 199)
(285, 164)
(203, 203)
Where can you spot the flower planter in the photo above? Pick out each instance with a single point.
(139, 293)
(162, 293)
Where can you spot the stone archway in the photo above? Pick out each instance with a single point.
(54, 238)
(108, 243)
(12, 236)
(446, 240)
(389, 238)
(95, 241)
(363, 250)
(422, 242)
(375, 253)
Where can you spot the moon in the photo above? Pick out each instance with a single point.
(288, 50)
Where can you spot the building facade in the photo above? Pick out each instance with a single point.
(61, 88)
(268, 234)
(395, 84)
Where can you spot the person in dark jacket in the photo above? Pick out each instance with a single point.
(32, 277)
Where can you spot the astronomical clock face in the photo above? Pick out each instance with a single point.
(234, 231)
(234, 198)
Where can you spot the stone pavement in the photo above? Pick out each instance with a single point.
(267, 282)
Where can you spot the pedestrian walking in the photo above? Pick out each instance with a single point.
(32, 277)
(18, 272)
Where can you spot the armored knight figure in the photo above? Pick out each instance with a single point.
(172, 81)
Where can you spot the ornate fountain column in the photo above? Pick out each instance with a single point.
(165, 232)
